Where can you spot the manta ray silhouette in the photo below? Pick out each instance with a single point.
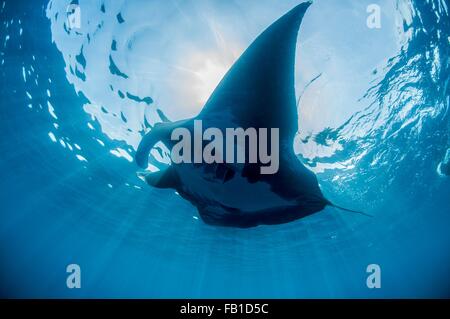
(258, 92)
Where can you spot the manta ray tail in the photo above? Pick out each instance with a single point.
(349, 210)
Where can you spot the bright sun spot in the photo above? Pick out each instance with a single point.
(209, 74)
(196, 75)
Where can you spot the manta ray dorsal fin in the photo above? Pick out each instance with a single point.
(258, 91)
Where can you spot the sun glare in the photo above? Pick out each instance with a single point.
(209, 73)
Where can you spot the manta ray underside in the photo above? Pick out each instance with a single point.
(258, 92)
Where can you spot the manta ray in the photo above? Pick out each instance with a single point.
(258, 92)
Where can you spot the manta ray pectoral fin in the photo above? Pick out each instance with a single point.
(258, 90)
(166, 178)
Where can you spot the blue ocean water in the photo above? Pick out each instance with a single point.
(76, 100)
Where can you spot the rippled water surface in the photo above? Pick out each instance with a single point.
(75, 103)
